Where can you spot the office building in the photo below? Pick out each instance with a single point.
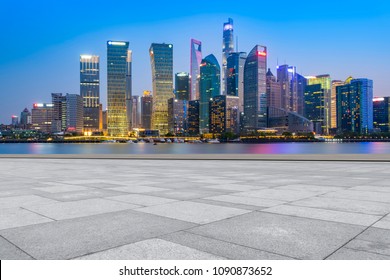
(182, 86)
(287, 121)
(235, 76)
(42, 116)
(333, 104)
(146, 110)
(209, 87)
(288, 80)
(177, 116)
(224, 114)
(129, 98)
(274, 98)
(59, 112)
(255, 90)
(196, 60)
(355, 106)
(25, 117)
(381, 113)
(161, 59)
(90, 92)
(136, 111)
(302, 82)
(117, 79)
(193, 117)
(74, 113)
(227, 48)
(14, 120)
(318, 102)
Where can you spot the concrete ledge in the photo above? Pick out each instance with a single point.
(244, 157)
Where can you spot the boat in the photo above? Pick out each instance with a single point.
(141, 141)
(213, 141)
(169, 140)
(109, 141)
(130, 142)
(162, 140)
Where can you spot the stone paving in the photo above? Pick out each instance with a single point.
(203, 209)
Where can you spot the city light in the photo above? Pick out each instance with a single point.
(116, 43)
(378, 99)
(261, 53)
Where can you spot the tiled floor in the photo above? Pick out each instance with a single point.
(203, 209)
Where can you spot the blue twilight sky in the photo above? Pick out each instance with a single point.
(41, 40)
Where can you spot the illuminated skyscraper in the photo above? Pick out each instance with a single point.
(235, 76)
(227, 48)
(196, 59)
(273, 91)
(42, 116)
(224, 114)
(177, 116)
(301, 80)
(161, 59)
(59, 112)
(333, 103)
(193, 117)
(90, 91)
(117, 66)
(354, 106)
(210, 78)
(382, 114)
(74, 113)
(288, 80)
(318, 102)
(146, 110)
(182, 86)
(255, 97)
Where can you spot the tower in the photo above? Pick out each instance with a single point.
(196, 59)
(227, 48)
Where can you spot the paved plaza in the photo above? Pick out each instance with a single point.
(193, 209)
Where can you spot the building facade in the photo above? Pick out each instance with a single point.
(209, 86)
(74, 113)
(146, 110)
(193, 117)
(235, 76)
(255, 90)
(42, 116)
(196, 60)
(381, 106)
(161, 59)
(178, 116)
(227, 48)
(224, 114)
(117, 53)
(274, 98)
(288, 80)
(182, 86)
(333, 103)
(59, 112)
(355, 106)
(25, 117)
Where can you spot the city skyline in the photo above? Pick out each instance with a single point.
(285, 36)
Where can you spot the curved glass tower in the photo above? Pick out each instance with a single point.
(227, 48)
(210, 74)
(255, 97)
(196, 59)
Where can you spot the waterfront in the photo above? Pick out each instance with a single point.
(186, 148)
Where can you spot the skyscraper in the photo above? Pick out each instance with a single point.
(274, 98)
(354, 106)
(182, 86)
(90, 91)
(227, 48)
(382, 114)
(196, 59)
(333, 103)
(74, 113)
(301, 80)
(177, 116)
(59, 112)
(42, 116)
(193, 117)
(117, 66)
(136, 111)
(321, 112)
(209, 86)
(224, 114)
(161, 59)
(146, 110)
(25, 117)
(288, 80)
(255, 97)
(235, 76)
(129, 99)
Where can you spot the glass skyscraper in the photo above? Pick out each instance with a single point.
(182, 86)
(235, 76)
(196, 59)
(224, 114)
(227, 48)
(255, 97)
(381, 114)
(210, 77)
(129, 99)
(90, 91)
(287, 77)
(355, 106)
(117, 65)
(273, 91)
(146, 110)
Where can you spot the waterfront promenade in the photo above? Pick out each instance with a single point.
(195, 207)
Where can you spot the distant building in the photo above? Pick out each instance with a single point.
(196, 60)
(333, 103)
(193, 117)
(104, 121)
(14, 120)
(117, 87)
(136, 111)
(235, 76)
(41, 116)
(25, 117)
(129, 92)
(227, 48)
(224, 114)
(302, 82)
(74, 113)
(288, 80)
(59, 112)
(161, 59)
(209, 87)
(355, 106)
(90, 92)
(182, 86)
(177, 116)
(146, 110)
(255, 90)
(274, 98)
(285, 121)
(381, 113)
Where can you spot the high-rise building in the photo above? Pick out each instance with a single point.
(196, 60)
(117, 79)
(59, 112)
(104, 121)
(136, 111)
(25, 117)
(381, 114)
(177, 116)
(288, 80)
(235, 76)
(193, 117)
(354, 106)
(74, 113)
(42, 116)
(14, 120)
(321, 112)
(129, 98)
(255, 90)
(161, 59)
(274, 98)
(209, 87)
(227, 48)
(182, 86)
(90, 91)
(301, 80)
(224, 114)
(333, 103)
(146, 110)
